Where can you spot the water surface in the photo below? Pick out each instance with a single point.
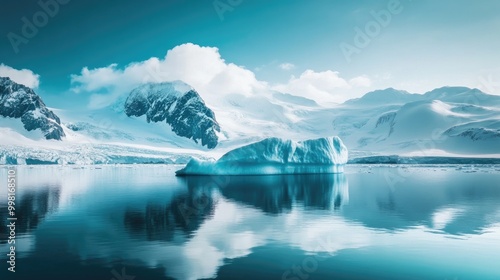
(120, 222)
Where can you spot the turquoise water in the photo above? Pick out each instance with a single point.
(142, 222)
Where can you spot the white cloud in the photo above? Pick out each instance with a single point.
(287, 66)
(204, 69)
(24, 76)
(361, 81)
(201, 67)
(326, 86)
(445, 216)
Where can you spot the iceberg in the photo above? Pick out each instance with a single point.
(276, 156)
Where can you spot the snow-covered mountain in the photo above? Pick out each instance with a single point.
(179, 105)
(384, 97)
(158, 123)
(444, 121)
(23, 104)
(104, 135)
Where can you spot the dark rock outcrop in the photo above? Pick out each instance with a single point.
(21, 102)
(178, 105)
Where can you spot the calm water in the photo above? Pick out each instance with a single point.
(141, 222)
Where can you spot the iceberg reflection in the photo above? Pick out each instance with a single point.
(196, 227)
(276, 194)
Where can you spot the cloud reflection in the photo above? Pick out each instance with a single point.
(191, 227)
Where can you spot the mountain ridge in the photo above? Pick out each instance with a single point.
(445, 121)
(21, 102)
(180, 106)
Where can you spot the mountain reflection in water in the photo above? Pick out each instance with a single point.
(161, 226)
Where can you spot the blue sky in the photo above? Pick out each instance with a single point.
(426, 44)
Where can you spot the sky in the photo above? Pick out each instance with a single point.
(90, 52)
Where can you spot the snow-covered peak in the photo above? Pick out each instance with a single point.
(5, 81)
(466, 95)
(179, 105)
(446, 91)
(385, 96)
(181, 86)
(20, 102)
(175, 88)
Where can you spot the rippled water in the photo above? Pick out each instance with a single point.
(121, 222)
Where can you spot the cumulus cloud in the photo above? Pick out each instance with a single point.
(287, 66)
(361, 81)
(201, 67)
(326, 86)
(204, 69)
(24, 76)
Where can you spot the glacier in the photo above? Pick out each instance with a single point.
(276, 156)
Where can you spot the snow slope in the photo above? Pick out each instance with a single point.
(276, 156)
(20, 147)
(447, 121)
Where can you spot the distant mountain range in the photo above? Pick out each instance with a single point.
(456, 120)
(169, 122)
